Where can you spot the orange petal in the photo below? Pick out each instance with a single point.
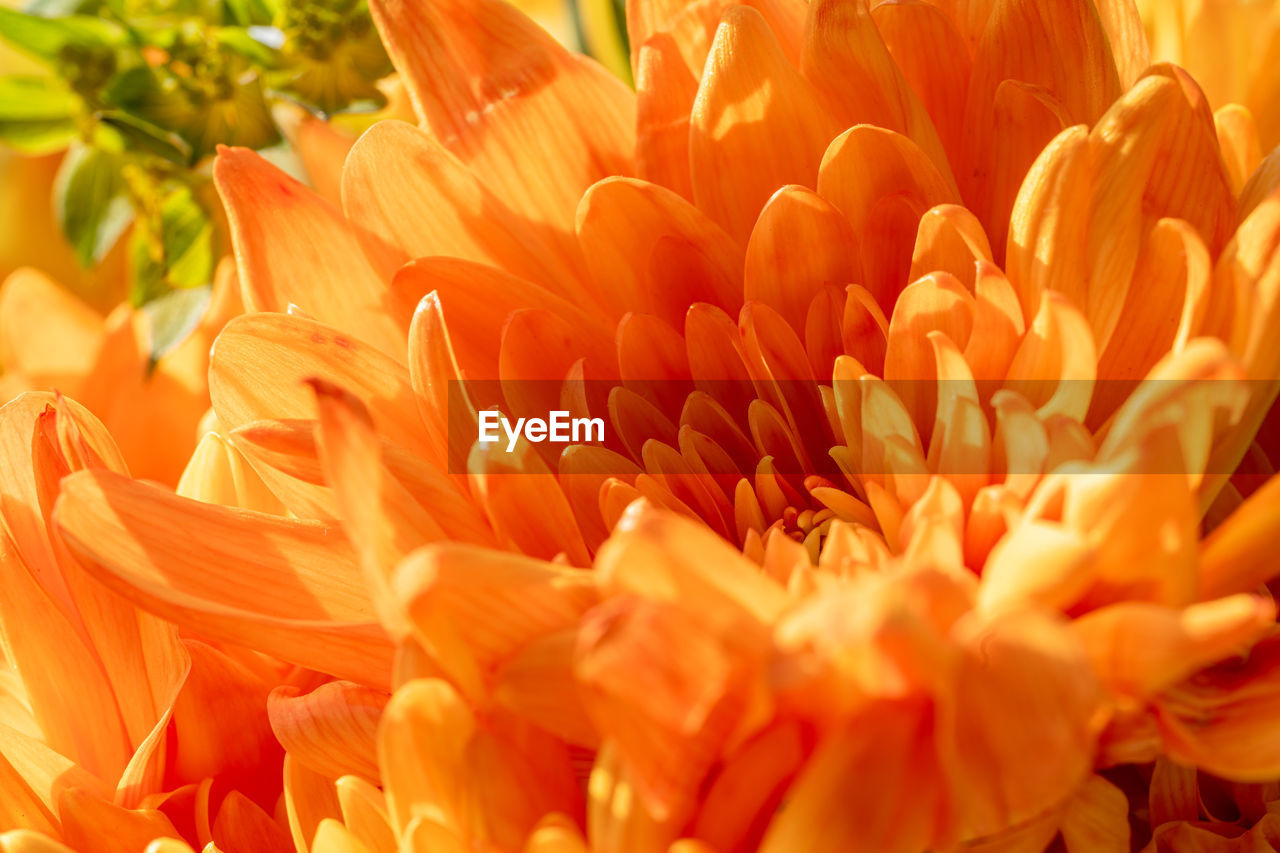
(274, 221)
(665, 91)
(1236, 556)
(652, 252)
(1049, 222)
(1223, 719)
(261, 361)
(1064, 50)
(323, 147)
(89, 823)
(834, 801)
(654, 553)
(380, 517)
(421, 746)
(330, 730)
(1056, 365)
(1013, 772)
(951, 240)
(487, 604)
(309, 799)
(757, 125)
(669, 716)
(1141, 649)
(406, 187)
(537, 122)
(507, 484)
(1238, 139)
(46, 334)
(243, 826)
(364, 813)
(317, 615)
(845, 59)
(1097, 818)
(800, 245)
(883, 201)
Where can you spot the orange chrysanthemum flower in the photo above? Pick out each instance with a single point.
(932, 344)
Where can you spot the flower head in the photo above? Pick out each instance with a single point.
(928, 343)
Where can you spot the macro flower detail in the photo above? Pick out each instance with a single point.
(934, 508)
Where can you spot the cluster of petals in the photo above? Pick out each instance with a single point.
(936, 345)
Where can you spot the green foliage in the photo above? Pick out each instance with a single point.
(141, 93)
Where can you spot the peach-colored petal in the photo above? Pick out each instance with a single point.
(46, 334)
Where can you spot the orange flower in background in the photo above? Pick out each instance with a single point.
(49, 339)
(932, 343)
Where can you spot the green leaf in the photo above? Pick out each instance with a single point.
(179, 251)
(91, 202)
(46, 37)
(238, 40)
(174, 316)
(37, 116)
(248, 13)
(122, 131)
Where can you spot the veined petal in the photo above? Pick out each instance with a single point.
(318, 614)
(261, 362)
(332, 730)
(1049, 222)
(799, 245)
(261, 200)
(1062, 48)
(537, 122)
(868, 173)
(846, 60)
(651, 251)
(665, 91)
(934, 59)
(756, 125)
(409, 189)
